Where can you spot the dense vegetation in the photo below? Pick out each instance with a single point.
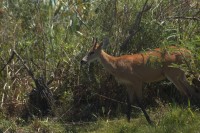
(47, 39)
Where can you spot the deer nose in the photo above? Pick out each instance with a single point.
(83, 62)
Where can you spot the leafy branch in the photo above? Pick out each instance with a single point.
(136, 26)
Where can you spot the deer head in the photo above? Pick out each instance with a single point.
(94, 52)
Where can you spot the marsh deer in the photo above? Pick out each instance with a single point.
(134, 70)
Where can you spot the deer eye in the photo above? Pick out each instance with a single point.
(91, 53)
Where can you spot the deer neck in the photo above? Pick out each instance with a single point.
(108, 61)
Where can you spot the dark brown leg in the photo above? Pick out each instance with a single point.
(143, 110)
(128, 108)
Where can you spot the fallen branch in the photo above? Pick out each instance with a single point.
(40, 99)
(26, 67)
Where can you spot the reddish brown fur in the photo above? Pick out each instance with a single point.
(150, 66)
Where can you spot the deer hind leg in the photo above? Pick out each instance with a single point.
(135, 94)
(193, 92)
(178, 78)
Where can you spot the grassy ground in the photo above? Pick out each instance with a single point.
(167, 119)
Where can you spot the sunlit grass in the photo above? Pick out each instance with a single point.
(170, 119)
(167, 119)
(35, 125)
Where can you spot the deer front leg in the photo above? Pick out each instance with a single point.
(143, 110)
(128, 115)
(135, 94)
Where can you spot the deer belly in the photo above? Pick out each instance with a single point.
(123, 81)
(151, 75)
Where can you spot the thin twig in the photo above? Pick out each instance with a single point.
(114, 100)
(9, 60)
(7, 130)
(54, 73)
(183, 17)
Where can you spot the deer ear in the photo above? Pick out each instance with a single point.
(105, 43)
(94, 41)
